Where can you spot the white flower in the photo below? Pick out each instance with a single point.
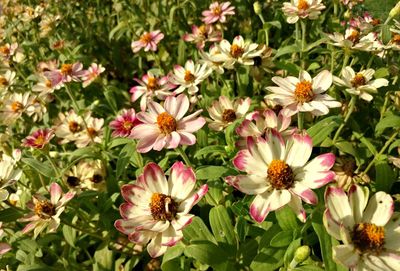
(7, 80)
(189, 77)
(68, 126)
(301, 9)
(92, 133)
(353, 40)
(9, 173)
(303, 94)
(370, 231)
(13, 106)
(214, 59)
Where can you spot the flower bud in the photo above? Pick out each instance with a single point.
(257, 8)
(301, 254)
(395, 11)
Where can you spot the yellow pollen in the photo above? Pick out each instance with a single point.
(396, 39)
(189, 77)
(358, 80)
(73, 126)
(3, 81)
(302, 5)
(48, 84)
(91, 132)
(166, 123)
(163, 207)
(66, 69)
(368, 237)
(5, 50)
(280, 175)
(303, 92)
(44, 209)
(236, 51)
(16, 106)
(146, 38)
(127, 125)
(202, 30)
(228, 115)
(40, 140)
(152, 83)
(217, 11)
(354, 36)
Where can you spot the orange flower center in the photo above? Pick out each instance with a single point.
(73, 126)
(302, 5)
(354, 36)
(202, 30)
(3, 81)
(146, 38)
(280, 175)
(66, 69)
(228, 115)
(91, 132)
(368, 237)
(152, 83)
(16, 106)
(189, 77)
(5, 50)
(166, 123)
(303, 92)
(48, 84)
(217, 11)
(358, 80)
(40, 140)
(236, 51)
(396, 39)
(127, 125)
(163, 207)
(44, 209)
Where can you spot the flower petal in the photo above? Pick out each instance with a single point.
(379, 209)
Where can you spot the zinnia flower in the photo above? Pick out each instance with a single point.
(124, 123)
(9, 172)
(166, 127)
(156, 210)
(217, 12)
(303, 94)
(189, 77)
(301, 9)
(369, 230)
(223, 112)
(202, 34)
(346, 175)
(148, 41)
(39, 138)
(360, 83)
(91, 74)
(13, 106)
(68, 126)
(355, 41)
(45, 213)
(67, 73)
(93, 133)
(279, 174)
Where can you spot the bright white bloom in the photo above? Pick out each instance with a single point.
(86, 175)
(280, 174)
(360, 83)
(36, 108)
(353, 40)
(92, 133)
(303, 94)
(224, 112)
(9, 173)
(369, 230)
(156, 210)
(7, 80)
(189, 77)
(239, 52)
(13, 106)
(301, 9)
(68, 126)
(214, 59)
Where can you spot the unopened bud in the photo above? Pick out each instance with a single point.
(395, 11)
(301, 254)
(257, 7)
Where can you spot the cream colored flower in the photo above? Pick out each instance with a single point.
(302, 9)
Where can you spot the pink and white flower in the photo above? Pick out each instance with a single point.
(302, 9)
(91, 74)
(148, 41)
(217, 12)
(124, 123)
(279, 173)
(68, 126)
(4, 247)
(44, 213)
(167, 127)
(149, 87)
(156, 210)
(214, 59)
(189, 77)
(202, 34)
(92, 132)
(369, 230)
(352, 39)
(224, 112)
(303, 94)
(38, 139)
(9, 172)
(67, 73)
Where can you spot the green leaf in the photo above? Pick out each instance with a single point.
(210, 149)
(322, 129)
(119, 141)
(290, 49)
(10, 215)
(211, 172)
(210, 254)
(289, 254)
(268, 25)
(282, 239)
(69, 235)
(241, 228)
(391, 121)
(103, 259)
(286, 219)
(309, 267)
(43, 168)
(381, 72)
(384, 176)
(346, 147)
(366, 142)
(124, 157)
(173, 253)
(197, 230)
(221, 226)
(268, 259)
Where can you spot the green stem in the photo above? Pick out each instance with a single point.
(300, 121)
(53, 165)
(384, 105)
(346, 59)
(184, 156)
(387, 144)
(349, 112)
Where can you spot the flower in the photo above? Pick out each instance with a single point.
(91, 74)
(201, 34)
(9, 173)
(301, 9)
(13, 106)
(214, 59)
(223, 112)
(360, 84)
(67, 73)
(189, 77)
(217, 12)
(38, 139)
(7, 80)
(353, 40)
(88, 174)
(151, 86)
(124, 123)
(148, 41)
(239, 52)
(346, 175)
(92, 133)
(68, 126)
(35, 108)
(45, 213)
(369, 230)
(166, 127)
(4, 247)
(279, 173)
(157, 210)
(303, 94)
(44, 86)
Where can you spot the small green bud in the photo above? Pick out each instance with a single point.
(257, 7)
(302, 253)
(395, 11)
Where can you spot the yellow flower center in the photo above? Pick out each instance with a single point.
(73, 126)
(280, 175)
(189, 77)
(40, 140)
(163, 207)
(202, 30)
(302, 5)
(166, 123)
(303, 92)
(217, 11)
(396, 39)
(5, 50)
(48, 84)
(236, 51)
(91, 132)
(16, 106)
(152, 83)
(44, 209)
(3, 81)
(66, 69)
(354, 36)
(146, 38)
(127, 125)
(358, 80)
(368, 237)
(228, 115)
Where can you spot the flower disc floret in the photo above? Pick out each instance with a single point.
(358, 80)
(236, 51)
(166, 123)
(302, 5)
(304, 92)
(280, 175)
(229, 115)
(44, 209)
(368, 237)
(163, 207)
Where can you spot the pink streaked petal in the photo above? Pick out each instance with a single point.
(275, 146)
(55, 193)
(147, 118)
(29, 227)
(173, 141)
(66, 198)
(322, 162)
(191, 126)
(154, 248)
(300, 150)
(248, 184)
(315, 179)
(337, 202)
(171, 236)
(192, 200)
(136, 91)
(130, 191)
(141, 237)
(297, 207)
(161, 141)
(155, 108)
(4, 248)
(246, 162)
(154, 179)
(259, 208)
(278, 199)
(305, 193)
(144, 130)
(182, 221)
(125, 226)
(270, 118)
(379, 209)
(346, 255)
(187, 138)
(358, 198)
(331, 226)
(181, 181)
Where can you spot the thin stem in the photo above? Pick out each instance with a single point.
(184, 156)
(53, 165)
(303, 42)
(387, 144)
(346, 118)
(300, 120)
(346, 59)
(384, 105)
